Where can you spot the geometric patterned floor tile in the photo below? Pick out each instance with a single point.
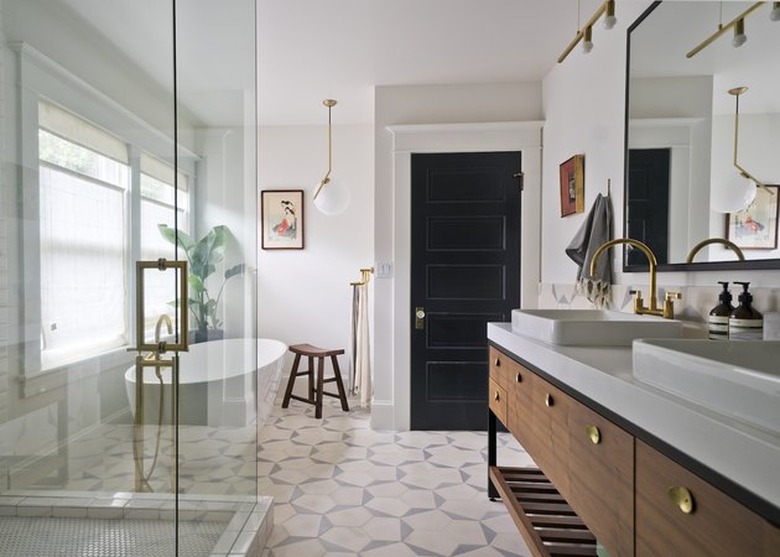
(344, 490)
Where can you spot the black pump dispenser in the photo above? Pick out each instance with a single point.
(745, 323)
(719, 315)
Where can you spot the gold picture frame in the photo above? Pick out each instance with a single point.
(572, 173)
(281, 219)
(755, 227)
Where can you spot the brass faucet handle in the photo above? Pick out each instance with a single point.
(639, 303)
(669, 299)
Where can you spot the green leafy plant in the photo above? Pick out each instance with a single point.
(203, 256)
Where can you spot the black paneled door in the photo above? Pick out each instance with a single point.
(648, 203)
(465, 272)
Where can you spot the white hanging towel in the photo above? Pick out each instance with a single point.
(360, 357)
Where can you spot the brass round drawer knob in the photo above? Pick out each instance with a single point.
(681, 497)
(518, 378)
(548, 399)
(497, 396)
(594, 434)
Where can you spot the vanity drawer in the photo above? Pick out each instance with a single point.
(601, 477)
(715, 526)
(497, 400)
(516, 381)
(549, 438)
(503, 369)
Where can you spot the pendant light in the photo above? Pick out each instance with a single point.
(739, 190)
(330, 197)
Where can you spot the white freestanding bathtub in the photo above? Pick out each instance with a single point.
(230, 382)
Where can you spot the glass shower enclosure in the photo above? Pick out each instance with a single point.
(128, 211)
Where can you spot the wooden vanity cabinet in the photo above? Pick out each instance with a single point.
(701, 521)
(598, 477)
(558, 432)
(601, 477)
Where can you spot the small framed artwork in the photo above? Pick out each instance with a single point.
(573, 185)
(281, 219)
(755, 227)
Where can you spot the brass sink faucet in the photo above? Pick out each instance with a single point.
(728, 243)
(639, 308)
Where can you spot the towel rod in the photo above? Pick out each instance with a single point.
(365, 275)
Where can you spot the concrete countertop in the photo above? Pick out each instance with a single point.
(747, 456)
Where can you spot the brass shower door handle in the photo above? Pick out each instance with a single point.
(182, 307)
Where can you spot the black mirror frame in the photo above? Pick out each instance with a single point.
(670, 267)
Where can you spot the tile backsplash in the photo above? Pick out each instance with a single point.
(694, 307)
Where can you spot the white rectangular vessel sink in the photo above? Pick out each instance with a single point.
(737, 378)
(591, 327)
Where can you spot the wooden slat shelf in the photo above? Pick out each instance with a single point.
(548, 524)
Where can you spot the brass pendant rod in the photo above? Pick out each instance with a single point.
(330, 103)
(737, 91)
(722, 29)
(581, 33)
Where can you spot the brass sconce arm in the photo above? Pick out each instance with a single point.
(722, 29)
(608, 6)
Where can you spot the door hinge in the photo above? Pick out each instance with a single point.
(520, 179)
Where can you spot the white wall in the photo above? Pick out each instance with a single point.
(394, 106)
(305, 295)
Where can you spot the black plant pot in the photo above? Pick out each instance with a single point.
(205, 335)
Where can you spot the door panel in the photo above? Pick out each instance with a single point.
(648, 204)
(465, 273)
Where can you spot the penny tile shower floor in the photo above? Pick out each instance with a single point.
(342, 489)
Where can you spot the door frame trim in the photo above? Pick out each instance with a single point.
(393, 412)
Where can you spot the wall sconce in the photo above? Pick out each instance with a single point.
(330, 198)
(733, 196)
(585, 34)
(738, 24)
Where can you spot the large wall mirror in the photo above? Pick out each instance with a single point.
(680, 134)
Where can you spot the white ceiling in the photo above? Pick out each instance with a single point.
(312, 49)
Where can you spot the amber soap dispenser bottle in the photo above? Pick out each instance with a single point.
(719, 315)
(745, 323)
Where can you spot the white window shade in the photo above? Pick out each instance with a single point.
(77, 130)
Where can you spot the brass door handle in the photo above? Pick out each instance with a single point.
(548, 400)
(419, 318)
(682, 498)
(181, 319)
(593, 433)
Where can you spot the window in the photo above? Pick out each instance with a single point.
(87, 235)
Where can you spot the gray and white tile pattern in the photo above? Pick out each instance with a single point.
(342, 489)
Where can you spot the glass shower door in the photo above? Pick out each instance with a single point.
(128, 134)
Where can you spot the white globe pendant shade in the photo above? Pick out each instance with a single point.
(333, 198)
(733, 194)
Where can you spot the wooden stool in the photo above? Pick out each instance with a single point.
(315, 396)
